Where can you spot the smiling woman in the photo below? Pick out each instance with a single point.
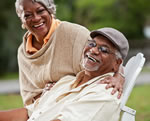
(36, 19)
(42, 55)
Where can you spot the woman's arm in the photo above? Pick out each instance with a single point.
(115, 82)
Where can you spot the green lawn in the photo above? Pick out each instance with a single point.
(139, 100)
(146, 69)
(10, 101)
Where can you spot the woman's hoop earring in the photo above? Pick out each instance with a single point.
(23, 26)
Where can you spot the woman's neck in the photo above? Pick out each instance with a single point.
(37, 43)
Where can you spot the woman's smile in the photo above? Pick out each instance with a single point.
(36, 19)
(38, 25)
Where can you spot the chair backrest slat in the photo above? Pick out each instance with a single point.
(132, 70)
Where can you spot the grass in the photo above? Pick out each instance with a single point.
(146, 69)
(10, 101)
(139, 100)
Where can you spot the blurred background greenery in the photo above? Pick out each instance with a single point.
(131, 17)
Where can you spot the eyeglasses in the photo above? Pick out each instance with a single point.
(103, 49)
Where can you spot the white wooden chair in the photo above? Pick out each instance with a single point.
(131, 71)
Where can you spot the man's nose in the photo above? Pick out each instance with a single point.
(94, 50)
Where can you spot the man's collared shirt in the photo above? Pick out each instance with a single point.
(87, 102)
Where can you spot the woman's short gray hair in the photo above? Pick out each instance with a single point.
(49, 4)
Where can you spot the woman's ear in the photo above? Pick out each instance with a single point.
(23, 26)
(52, 16)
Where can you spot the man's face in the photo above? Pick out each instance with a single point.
(99, 56)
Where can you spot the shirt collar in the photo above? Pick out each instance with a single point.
(80, 76)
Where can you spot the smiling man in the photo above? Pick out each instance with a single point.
(80, 98)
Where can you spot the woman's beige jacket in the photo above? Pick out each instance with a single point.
(59, 57)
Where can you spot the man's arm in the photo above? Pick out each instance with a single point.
(14, 115)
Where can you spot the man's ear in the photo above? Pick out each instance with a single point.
(117, 65)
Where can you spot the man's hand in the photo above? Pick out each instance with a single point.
(48, 87)
(115, 82)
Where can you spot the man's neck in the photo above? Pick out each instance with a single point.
(83, 77)
(90, 75)
(86, 77)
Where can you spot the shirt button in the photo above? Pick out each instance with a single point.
(33, 118)
(40, 112)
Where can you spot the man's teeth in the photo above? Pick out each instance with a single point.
(38, 25)
(91, 58)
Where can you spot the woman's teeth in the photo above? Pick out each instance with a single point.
(38, 25)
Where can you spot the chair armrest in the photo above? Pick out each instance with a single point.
(128, 110)
(128, 114)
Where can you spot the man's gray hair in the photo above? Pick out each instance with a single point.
(48, 4)
(118, 55)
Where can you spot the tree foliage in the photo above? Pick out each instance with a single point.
(128, 16)
(10, 35)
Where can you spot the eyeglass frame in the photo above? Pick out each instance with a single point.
(99, 47)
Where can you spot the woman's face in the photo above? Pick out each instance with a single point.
(36, 18)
